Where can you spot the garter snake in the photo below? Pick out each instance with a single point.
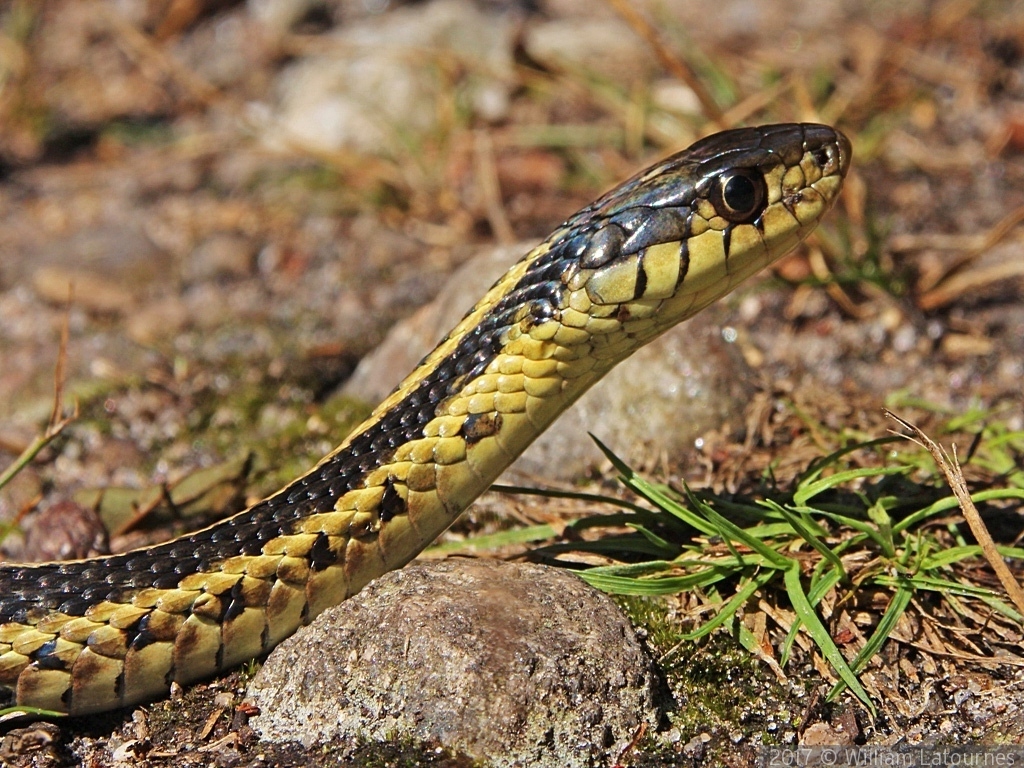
(90, 635)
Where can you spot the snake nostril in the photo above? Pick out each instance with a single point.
(827, 158)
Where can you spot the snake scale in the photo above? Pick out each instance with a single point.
(92, 635)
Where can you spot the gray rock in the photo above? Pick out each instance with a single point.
(278, 16)
(223, 254)
(607, 47)
(382, 81)
(517, 664)
(117, 249)
(664, 397)
(229, 50)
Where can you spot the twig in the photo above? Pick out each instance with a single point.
(950, 467)
(820, 269)
(637, 735)
(490, 189)
(676, 66)
(57, 421)
(954, 281)
(60, 368)
(141, 47)
(952, 288)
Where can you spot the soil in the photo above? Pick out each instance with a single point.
(216, 287)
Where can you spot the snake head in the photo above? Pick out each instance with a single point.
(674, 238)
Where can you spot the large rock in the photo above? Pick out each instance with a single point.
(513, 663)
(380, 84)
(606, 47)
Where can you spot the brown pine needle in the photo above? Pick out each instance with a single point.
(955, 280)
(638, 734)
(676, 66)
(490, 189)
(950, 467)
(57, 422)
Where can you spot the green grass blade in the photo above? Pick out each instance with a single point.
(1005, 609)
(610, 546)
(886, 624)
(817, 466)
(618, 519)
(955, 554)
(808, 534)
(728, 611)
(667, 548)
(635, 570)
(786, 512)
(554, 493)
(950, 502)
(667, 585)
(883, 524)
(653, 494)
(820, 635)
(934, 584)
(866, 529)
(13, 713)
(824, 583)
(805, 493)
(821, 584)
(896, 608)
(732, 532)
(1007, 438)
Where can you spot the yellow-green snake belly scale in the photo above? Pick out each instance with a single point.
(92, 635)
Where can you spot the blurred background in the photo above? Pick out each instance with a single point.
(243, 197)
(226, 204)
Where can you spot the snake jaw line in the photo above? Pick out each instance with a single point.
(92, 635)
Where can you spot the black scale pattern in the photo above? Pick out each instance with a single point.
(28, 592)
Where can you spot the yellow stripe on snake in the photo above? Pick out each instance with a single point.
(92, 635)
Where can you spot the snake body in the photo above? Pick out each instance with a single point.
(91, 635)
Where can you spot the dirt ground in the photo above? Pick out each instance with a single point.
(178, 202)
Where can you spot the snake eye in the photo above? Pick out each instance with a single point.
(739, 195)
